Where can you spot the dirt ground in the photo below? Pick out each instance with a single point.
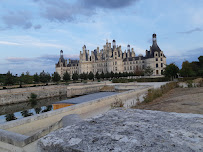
(180, 100)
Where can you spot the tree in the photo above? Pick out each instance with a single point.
(75, 76)
(200, 71)
(66, 76)
(56, 77)
(44, 77)
(112, 74)
(36, 78)
(171, 70)
(97, 75)
(9, 79)
(139, 72)
(102, 75)
(187, 70)
(148, 71)
(107, 75)
(26, 78)
(91, 76)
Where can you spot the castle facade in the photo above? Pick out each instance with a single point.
(112, 59)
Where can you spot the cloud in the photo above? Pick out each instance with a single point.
(9, 43)
(191, 31)
(17, 59)
(189, 55)
(61, 10)
(33, 65)
(20, 19)
(110, 4)
(37, 27)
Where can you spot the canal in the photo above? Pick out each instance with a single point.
(26, 109)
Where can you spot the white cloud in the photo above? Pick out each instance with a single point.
(9, 43)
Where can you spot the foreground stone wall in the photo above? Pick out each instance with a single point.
(23, 94)
(129, 130)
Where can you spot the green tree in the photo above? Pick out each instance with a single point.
(91, 76)
(112, 75)
(9, 79)
(102, 75)
(97, 75)
(44, 77)
(66, 76)
(56, 77)
(148, 71)
(36, 78)
(200, 71)
(107, 75)
(26, 78)
(75, 76)
(187, 70)
(171, 71)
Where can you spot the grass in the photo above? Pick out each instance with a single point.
(156, 93)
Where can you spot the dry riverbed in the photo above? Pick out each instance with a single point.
(180, 100)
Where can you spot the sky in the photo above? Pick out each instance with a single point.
(32, 32)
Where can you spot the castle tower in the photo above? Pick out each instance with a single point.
(114, 44)
(154, 38)
(61, 54)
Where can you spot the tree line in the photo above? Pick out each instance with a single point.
(189, 69)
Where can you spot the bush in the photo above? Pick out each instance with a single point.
(162, 79)
(140, 80)
(186, 79)
(189, 83)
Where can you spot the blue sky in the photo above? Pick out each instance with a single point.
(34, 31)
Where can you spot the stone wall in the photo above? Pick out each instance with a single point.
(23, 94)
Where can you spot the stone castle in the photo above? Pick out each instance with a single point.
(112, 59)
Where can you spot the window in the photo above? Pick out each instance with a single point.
(161, 59)
(115, 53)
(161, 54)
(124, 68)
(130, 67)
(157, 65)
(156, 59)
(115, 62)
(157, 72)
(161, 64)
(142, 66)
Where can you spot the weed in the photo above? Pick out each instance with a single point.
(117, 103)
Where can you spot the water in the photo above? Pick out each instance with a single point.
(26, 109)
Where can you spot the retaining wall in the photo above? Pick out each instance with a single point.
(23, 94)
(37, 123)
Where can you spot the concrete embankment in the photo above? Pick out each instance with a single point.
(23, 94)
(12, 96)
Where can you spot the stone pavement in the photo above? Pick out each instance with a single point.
(129, 130)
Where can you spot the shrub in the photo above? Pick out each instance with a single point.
(189, 83)
(117, 103)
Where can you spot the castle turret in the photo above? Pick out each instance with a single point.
(154, 38)
(114, 44)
